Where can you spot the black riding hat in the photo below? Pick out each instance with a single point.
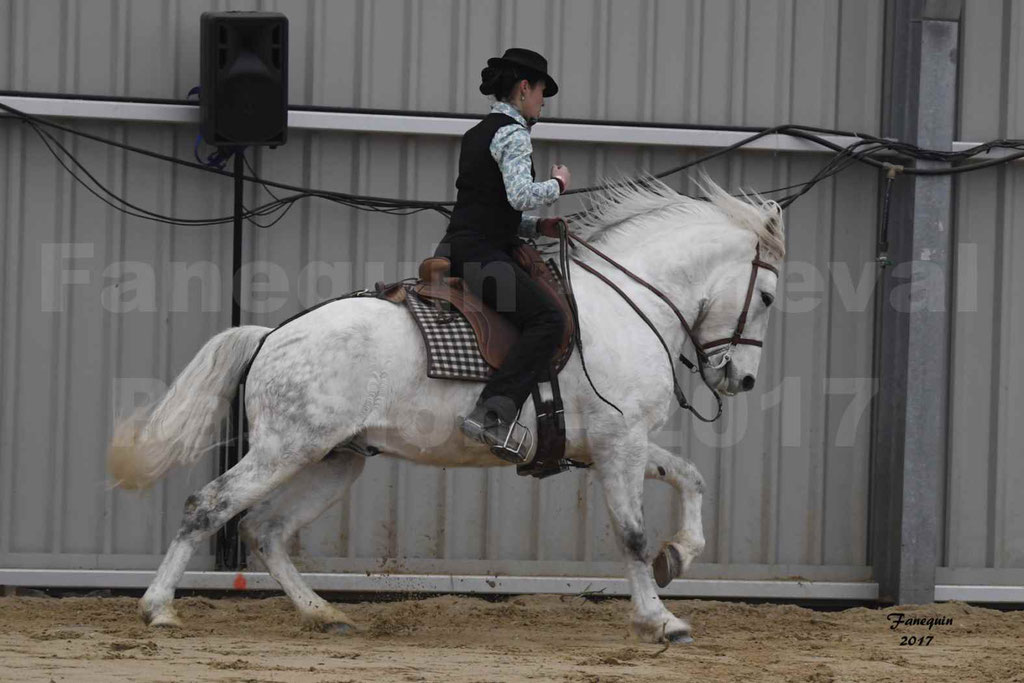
(521, 57)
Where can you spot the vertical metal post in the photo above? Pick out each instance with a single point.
(236, 243)
(229, 551)
(910, 446)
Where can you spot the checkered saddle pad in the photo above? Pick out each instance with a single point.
(453, 353)
(451, 343)
(452, 349)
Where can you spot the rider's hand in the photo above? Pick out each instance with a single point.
(561, 173)
(549, 227)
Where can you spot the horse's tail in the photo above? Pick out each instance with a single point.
(184, 424)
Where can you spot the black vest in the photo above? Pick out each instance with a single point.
(482, 204)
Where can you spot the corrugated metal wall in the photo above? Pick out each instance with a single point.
(985, 512)
(679, 61)
(787, 471)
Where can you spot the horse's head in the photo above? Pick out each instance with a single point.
(719, 259)
(737, 301)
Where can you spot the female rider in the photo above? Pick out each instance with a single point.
(495, 185)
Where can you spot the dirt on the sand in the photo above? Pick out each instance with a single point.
(535, 638)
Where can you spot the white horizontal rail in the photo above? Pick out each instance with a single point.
(498, 585)
(979, 593)
(396, 124)
(447, 583)
(991, 154)
(102, 110)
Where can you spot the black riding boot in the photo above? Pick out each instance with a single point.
(493, 422)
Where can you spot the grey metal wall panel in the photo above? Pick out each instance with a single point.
(783, 487)
(679, 61)
(786, 471)
(983, 513)
(65, 360)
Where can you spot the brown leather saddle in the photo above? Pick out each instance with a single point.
(496, 334)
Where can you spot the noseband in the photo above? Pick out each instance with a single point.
(737, 337)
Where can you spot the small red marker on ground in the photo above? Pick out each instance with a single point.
(240, 581)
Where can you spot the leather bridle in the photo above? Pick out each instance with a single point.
(703, 360)
(737, 337)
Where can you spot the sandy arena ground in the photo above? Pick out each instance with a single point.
(462, 639)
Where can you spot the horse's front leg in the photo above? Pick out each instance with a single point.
(676, 555)
(620, 465)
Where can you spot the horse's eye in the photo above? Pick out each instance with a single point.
(767, 298)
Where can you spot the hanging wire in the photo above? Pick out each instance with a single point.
(867, 149)
(397, 207)
(883, 227)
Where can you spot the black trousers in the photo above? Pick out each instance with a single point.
(491, 272)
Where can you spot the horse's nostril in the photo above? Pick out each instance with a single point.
(748, 383)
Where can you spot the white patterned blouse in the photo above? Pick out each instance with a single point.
(511, 147)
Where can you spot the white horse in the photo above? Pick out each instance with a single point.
(355, 369)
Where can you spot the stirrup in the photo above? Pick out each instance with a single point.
(516, 455)
(515, 446)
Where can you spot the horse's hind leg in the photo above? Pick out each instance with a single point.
(269, 524)
(257, 474)
(675, 557)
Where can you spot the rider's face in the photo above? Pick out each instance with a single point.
(529, 99)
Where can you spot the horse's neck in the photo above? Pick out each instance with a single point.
(673, 261)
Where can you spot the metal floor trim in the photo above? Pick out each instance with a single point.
(448, 583)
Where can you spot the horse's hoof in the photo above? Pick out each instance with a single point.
(667, 565)
(338, 629)
(671, 631)
(162, 616)
(165, 620)
(679, 638)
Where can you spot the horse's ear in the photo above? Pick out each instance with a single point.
(773, 224)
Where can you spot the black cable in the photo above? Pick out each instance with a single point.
(50, 141)
(882, 247)
(842, 159)
(371, 203)
(966, 167)
(245, 160)
(281, 204)
(835, 165)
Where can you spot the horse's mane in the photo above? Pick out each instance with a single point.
(616, 206)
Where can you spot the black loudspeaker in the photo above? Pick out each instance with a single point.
(243, 97)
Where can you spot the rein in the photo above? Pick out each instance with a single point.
(703, 360)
